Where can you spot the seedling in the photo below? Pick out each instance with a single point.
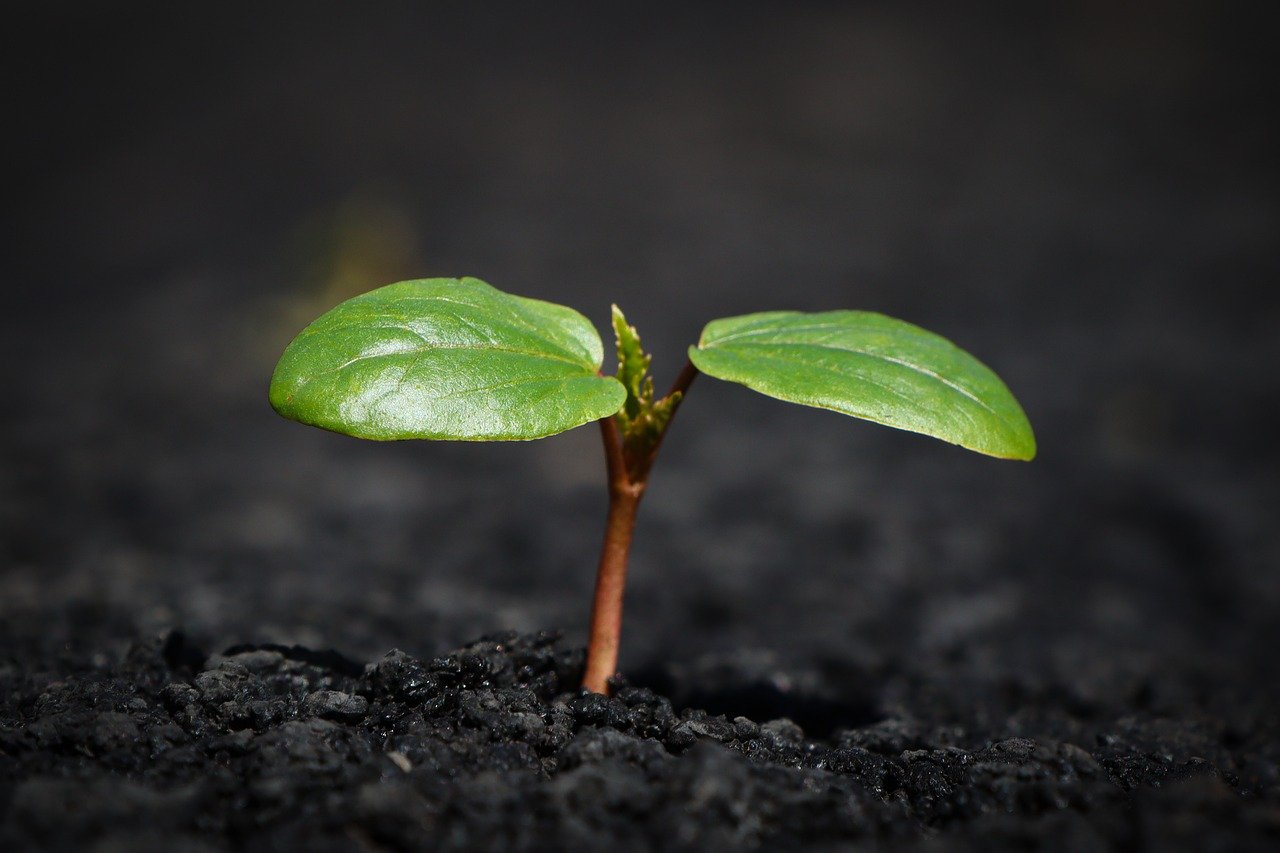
(456, 359)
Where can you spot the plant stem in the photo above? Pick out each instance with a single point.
(681, 387)
(684, 380)
(625, 492)
(611, 577)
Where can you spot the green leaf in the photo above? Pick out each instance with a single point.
(873, 367)
(633, 367)
(445, 358)
(642, 419)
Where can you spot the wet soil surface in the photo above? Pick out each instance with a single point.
(492, 747)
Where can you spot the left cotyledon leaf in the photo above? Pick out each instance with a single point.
(445, 358)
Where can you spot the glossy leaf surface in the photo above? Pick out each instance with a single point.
(873, 367)
(445, 358)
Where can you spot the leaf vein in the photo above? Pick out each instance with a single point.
(963, 391)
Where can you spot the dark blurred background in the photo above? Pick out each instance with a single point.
(1083, 195)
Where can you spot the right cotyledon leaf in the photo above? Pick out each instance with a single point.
(872, 367)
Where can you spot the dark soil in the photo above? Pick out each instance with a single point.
(491, 747)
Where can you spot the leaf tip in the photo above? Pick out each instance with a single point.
(1022, 447)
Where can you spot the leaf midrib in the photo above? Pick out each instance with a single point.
(516, 315)
(965, 392)
(427, 347)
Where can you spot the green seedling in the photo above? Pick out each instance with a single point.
(456, 359)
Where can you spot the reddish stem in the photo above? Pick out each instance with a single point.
(611, 577)
(681, 387)
(625, 492)
(684, 380)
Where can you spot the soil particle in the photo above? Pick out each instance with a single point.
(492, 746)
(336, 705)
